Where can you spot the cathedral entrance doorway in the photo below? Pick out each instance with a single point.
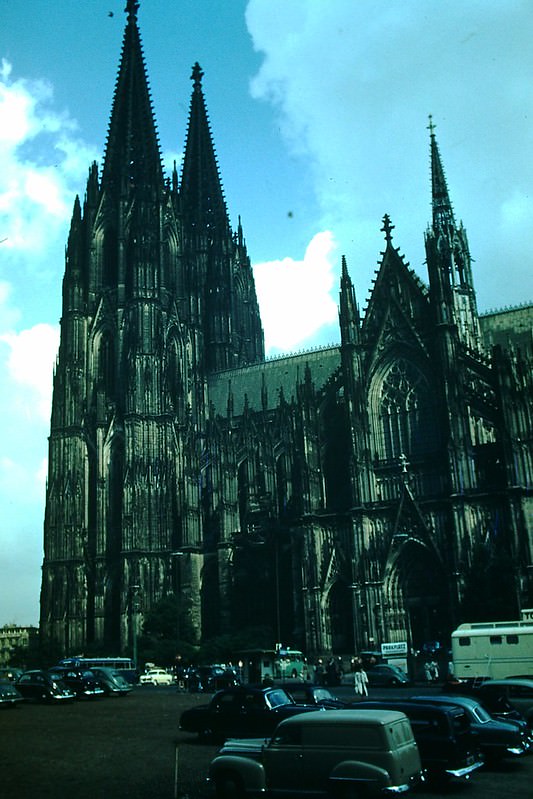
(416, 596)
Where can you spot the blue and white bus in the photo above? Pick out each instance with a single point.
(123, 665)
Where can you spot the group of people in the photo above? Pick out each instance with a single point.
(331, 674)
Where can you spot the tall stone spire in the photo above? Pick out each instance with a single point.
(448, 258)
(440, 198)
(348, 311)
(132, 158)
(201, 188)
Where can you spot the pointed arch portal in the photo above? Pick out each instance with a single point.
(417, 607)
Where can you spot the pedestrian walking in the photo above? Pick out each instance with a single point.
(360, 681)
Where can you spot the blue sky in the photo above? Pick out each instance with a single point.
(319, 111)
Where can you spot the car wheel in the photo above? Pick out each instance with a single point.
(229, 786)
(341, 789)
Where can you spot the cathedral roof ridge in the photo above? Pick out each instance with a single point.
(311, 350)
(273, 359)
(506, 308)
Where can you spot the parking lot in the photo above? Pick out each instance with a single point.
(125, 748)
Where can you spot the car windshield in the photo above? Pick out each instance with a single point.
(322, 693)
(278, 697)
(480, 714)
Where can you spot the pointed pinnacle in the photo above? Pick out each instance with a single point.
(132, 7)
(387, 228)
(197, 75)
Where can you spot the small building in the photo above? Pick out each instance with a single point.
(13, 636)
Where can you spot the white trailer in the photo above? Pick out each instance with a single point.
(493, 649)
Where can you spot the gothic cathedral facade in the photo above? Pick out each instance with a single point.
(341, 497)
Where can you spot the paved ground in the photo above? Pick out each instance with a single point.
(126, 749)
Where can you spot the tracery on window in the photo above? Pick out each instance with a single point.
(406, 413)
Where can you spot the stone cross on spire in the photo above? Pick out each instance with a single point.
(197, 75)
(387, 228)
(132, 6)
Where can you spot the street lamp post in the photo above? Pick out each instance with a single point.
(178, 554)
(134, 611)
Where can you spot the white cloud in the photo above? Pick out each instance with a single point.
(30, 365)
(295, 296)
(43, 164)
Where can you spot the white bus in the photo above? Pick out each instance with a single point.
(493, 649)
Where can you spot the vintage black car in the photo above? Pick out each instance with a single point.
(83, 682)
(39, 686)
(9, 695)
(244, 711)
(316, 695)
(112, 681)
(10, 673)
(447, 745)
(210, 678)
(386, 675)
(506, 699)
(496, 738)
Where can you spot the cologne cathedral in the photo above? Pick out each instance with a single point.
(379, 490)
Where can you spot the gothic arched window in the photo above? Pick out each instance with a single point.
(106, 363)
(407, 423)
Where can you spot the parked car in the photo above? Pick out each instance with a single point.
(243, 711)
(507, 699)
(496, 738)
(316, 695)
(447, 745)
(210, 678)
(9, 695)
(516, 693)
(338, 752)
(386, 674)
(82, 681)
(156, 677)
(113, 682)
(10, 673)
(40, 686)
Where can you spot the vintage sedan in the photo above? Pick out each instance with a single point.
(332, 753)
(82, 681)
(448, 747)
(156, 677)
(516, 693)
(112, 681)
(496, 738)
(316, 695)
(9, 695)
(509, 698)
(243, 711)
(40, 686)
(386, 675)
